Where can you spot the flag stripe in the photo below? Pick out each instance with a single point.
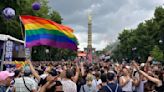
(47, 27)
(49, 36)
(37, 20)
(38, 26)
(45, 31)
(52, 43)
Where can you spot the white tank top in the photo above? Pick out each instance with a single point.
(128, 87)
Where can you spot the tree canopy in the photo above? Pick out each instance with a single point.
(144, 39)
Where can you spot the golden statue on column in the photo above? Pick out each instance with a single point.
(89, 32)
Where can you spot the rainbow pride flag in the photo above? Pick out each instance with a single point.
(40, 31)
(19, 64)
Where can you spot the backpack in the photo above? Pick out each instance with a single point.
(109, 88)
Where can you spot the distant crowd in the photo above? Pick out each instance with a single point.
(76, 76)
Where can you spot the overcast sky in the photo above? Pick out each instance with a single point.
(110, 17)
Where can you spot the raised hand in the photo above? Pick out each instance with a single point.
(135, 65)
(28, 61)
(150, 58)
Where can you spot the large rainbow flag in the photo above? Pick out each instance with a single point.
(40, 31)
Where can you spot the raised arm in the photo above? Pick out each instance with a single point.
(149, 60)
(82, 68)
(155, 80)
(75, 78)
(33, 70)
(43, 88)
(150, 78)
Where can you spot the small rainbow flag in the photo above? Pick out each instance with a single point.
(40, 31)
(19, 64)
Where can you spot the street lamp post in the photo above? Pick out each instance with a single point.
(133, 52)
(47, 52)
(161, 43)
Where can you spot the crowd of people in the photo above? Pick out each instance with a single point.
(67, 76)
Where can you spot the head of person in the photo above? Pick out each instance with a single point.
(103, 77)
(55, 87)
(89, 79)
(69, 73)
(17, 73)
(6, 77)
(97, 75)
(125, 71)
(116, 66)
(27, 71)
(110, 76)
(155, 68)
(149, 86)
(58, 87)
(52, 76)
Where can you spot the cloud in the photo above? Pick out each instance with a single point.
(110, 17)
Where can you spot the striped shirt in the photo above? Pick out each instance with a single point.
(20, 87)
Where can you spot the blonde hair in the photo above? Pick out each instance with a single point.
(89, 77)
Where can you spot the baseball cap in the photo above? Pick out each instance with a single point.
(27, 70)
(5, 74)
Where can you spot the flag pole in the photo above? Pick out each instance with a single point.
(3, 56)
(27, 50)
(21, 28)
(23, 36)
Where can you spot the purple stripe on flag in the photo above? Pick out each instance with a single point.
(52, 43)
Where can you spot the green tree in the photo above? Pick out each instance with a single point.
(55, 16)
(22, 7)
(157, 53)
(144, 38)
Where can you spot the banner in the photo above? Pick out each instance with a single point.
(8, 51)
(27, 53)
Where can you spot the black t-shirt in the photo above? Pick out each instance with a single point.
(42, 82)
(161, 88)
(80, 82)
(52, 89)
